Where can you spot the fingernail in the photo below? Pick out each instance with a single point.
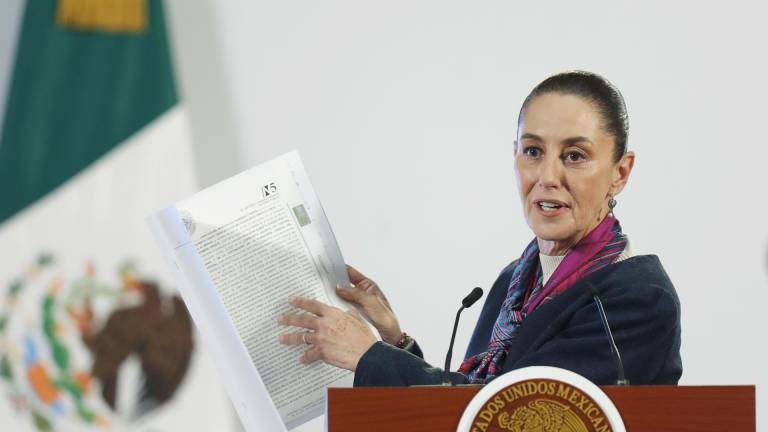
(280, 320)
(281, 338)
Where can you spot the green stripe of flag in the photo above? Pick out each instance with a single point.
(74, 96)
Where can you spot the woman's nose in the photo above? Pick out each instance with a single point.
(550, 171)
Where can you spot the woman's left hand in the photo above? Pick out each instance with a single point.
(337, 337)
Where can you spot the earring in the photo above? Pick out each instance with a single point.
(611, 205)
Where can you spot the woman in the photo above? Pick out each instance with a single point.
(571, 161)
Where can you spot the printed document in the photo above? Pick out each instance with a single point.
(240, 250)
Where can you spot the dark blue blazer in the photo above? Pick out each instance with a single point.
(642, 308)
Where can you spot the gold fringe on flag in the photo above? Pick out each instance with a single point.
(111, 16)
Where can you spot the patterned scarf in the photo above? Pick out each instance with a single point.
(525, 293)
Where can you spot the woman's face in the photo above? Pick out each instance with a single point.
(565, 169)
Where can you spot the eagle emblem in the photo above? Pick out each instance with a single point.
(542, 415)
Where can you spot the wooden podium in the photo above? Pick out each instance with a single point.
(643, 408)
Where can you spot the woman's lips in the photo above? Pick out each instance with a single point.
(550, 208)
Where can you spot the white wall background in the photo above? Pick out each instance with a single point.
(404, 113)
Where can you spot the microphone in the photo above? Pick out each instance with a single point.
(472, 297)
(622, 380)
(468, 301)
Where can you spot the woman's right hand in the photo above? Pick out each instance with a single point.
(366, 294)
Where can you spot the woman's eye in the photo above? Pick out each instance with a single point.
(573, 156)
(533, 152)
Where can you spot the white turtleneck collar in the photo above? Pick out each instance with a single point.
(549, 263)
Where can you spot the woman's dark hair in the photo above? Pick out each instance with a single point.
(595, 89)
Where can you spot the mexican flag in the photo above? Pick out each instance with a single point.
(93, 139)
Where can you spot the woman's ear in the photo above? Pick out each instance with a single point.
(621, 171)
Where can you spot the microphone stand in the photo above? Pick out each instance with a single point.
(447, 377)
(622, 380)
(468, 301)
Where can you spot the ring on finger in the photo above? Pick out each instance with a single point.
(304, 338)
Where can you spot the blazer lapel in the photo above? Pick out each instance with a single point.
(545, 323)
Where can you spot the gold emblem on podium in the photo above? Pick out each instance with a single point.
(541, 405)
(542, 415)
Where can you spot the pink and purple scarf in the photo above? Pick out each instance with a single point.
(598, 249)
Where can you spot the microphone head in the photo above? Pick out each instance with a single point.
(472, 297)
